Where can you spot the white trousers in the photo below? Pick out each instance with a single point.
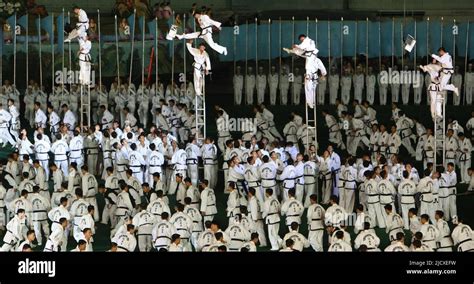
(258, 227)
(383, 95)
(273, 236)
(193, 173)
(238, 94)
(315, 238)
(469, 91)
(404, 209)
(417, 95)
(210, 173)
(37, 226)
(79, 31)
(109, 214)
(273, 95)
(206, 35)
(444, 82)
(198, 81)
(63, 165)
(310, 85)
(5, 136)
(85, 72)
(260, 95)
(376, 214)
(284, 94)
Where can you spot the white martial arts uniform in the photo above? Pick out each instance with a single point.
(85, 62)
(447, 70)
(202, 65)
(261, 85)
(271, 213)
(250, 84)
(206, 24)
(238, 82)
(273, 82)
(370, 81)
(314, 216)
(465, 150)
(5, 136)
(82, 26)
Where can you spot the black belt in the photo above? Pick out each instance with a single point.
(123, 248)
(466, 240)
(161, 237)
(397, 228)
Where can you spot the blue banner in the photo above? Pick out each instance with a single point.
(60, 31)
(141, 26)
(12, 22)
(47, 25)
(131, 24)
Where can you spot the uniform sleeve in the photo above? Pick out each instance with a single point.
(192, 50)
(203, 202)
(265, 210)
(439, 59)
(208, 62)
(214, 23)
(321, 67)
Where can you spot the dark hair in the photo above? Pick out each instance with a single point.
(425, 216)
(174, 237)
(218, 235)
(399, 236)
(439, 213)
(294, 226)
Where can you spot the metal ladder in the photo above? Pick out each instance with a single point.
(200, 107)
(311, 124)
(85, 106)
(439, 134)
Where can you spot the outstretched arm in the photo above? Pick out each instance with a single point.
(192, 50)
(208, 62)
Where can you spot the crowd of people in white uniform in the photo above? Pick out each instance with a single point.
(284, 87)
(267, 175)
(158, 180)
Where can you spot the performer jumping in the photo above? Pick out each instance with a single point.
(82, 25)
(307, 49)
(206, 24)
